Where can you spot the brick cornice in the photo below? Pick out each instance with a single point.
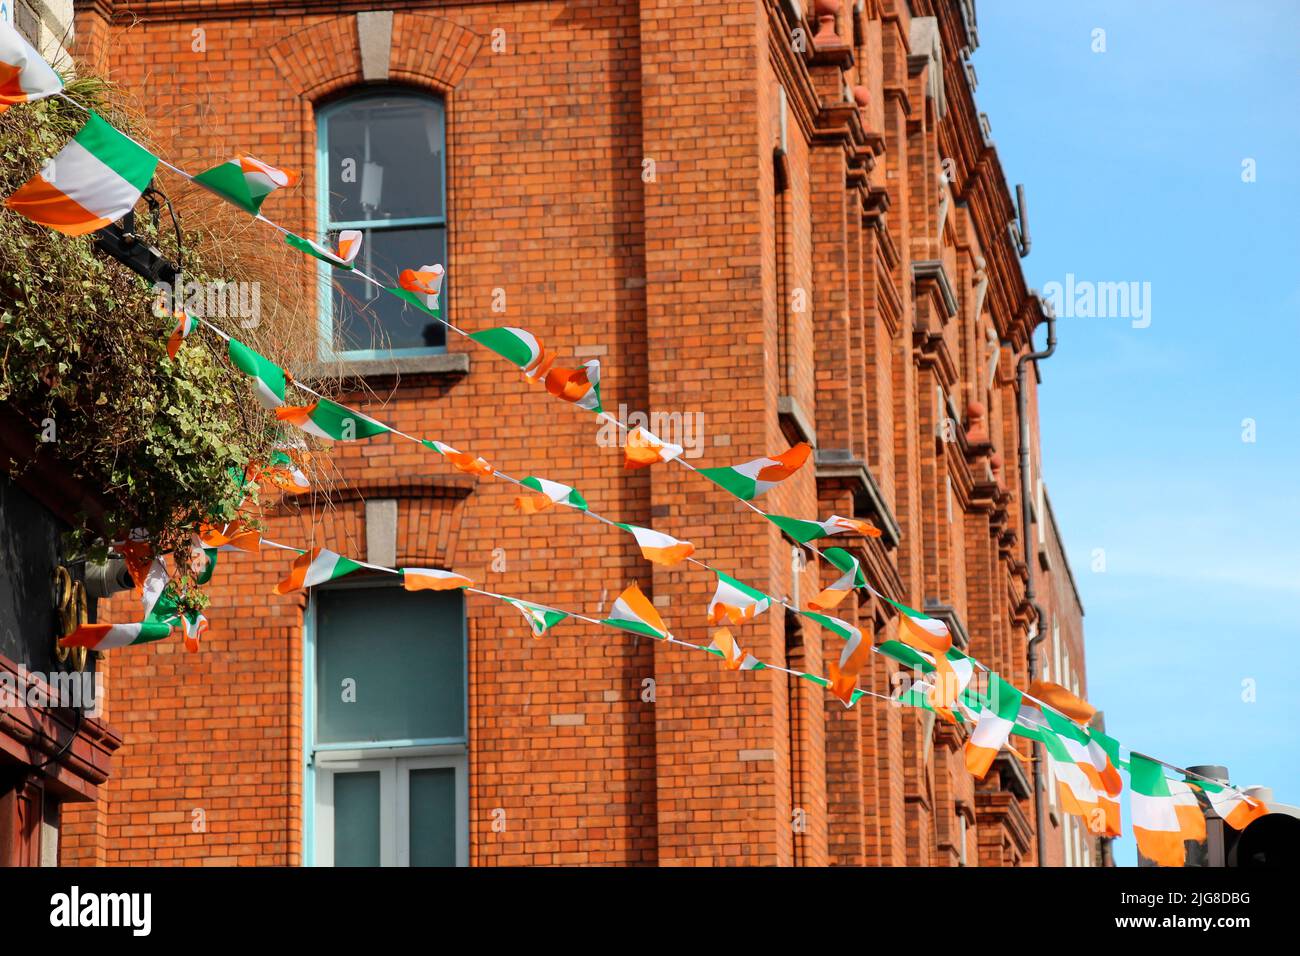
(791, 69)
(1001, 810)
(127, 11)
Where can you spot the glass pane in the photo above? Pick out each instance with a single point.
(356, 819)
(390, 665)
(433, 817)
(385, 158)
(367, 318)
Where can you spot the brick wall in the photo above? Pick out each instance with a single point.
(770, 284)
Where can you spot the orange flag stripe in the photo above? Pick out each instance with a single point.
(432, 579)
(43, 202)
(789, 461)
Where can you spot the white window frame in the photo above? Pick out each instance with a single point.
(326, 226)
(394, 765)
(325, 771)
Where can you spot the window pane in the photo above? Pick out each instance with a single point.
(356, 819)
(367, 318)
(402, 655)
(433, 817)
(385, 158)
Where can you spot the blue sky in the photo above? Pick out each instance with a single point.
(1132, 163)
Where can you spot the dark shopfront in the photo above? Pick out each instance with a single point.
(53, 748)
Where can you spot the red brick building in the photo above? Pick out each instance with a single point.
(775, 221)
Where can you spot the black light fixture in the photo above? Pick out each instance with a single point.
(119, 241)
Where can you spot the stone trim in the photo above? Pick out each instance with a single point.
(425, 50)
(398, 366)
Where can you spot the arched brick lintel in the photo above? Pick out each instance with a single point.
(427, 51)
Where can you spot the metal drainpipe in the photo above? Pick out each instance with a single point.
(1040, 806)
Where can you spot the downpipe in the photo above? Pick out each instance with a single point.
(1031, 595)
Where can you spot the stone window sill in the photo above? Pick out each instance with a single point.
(454, 364)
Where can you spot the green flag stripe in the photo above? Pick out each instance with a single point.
(125, 157)
(506, 344)
(635, 627)
(731, 480)
(331, 418)
(1147, 777)
(830, 623)
(257, 366)
(228, 182)
(802, 531)
(742, 587)
(846, 562)
(415, 300)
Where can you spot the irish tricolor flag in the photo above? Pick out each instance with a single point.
(547, 494)
(341, 256)
(1235, 808)
(950, 673)
(539, 617)
(245, 181)
(316, 567)
(1086, 753)
(203, 561)
(1077, 794)
(282, 471)
(751, 479)
(460, 460)
(581, 386)
(24, 74)
(420, 287)
(659, 547)
(94, 181)
(104, 637)
(736, 602)
(326, 419)
(642, 447)
(1162, 817)
(844, 672)
(805, 531)
(518, 346)
(634, 612)
(433, 579)
(924, 633)
(268, 378)
(1063, 700)
(233, 536)
(997, 716)
(193, 627)
(185, 324)
(843, 586)
(733, 656)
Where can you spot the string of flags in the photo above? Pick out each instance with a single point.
(1085, 765)
(100, 175)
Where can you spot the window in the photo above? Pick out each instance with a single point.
(381, 168)
(1062, 659)
(1041, 512)
(385, 730)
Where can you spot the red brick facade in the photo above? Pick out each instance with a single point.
(798, 237)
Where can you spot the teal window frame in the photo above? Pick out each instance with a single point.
(325, 225)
